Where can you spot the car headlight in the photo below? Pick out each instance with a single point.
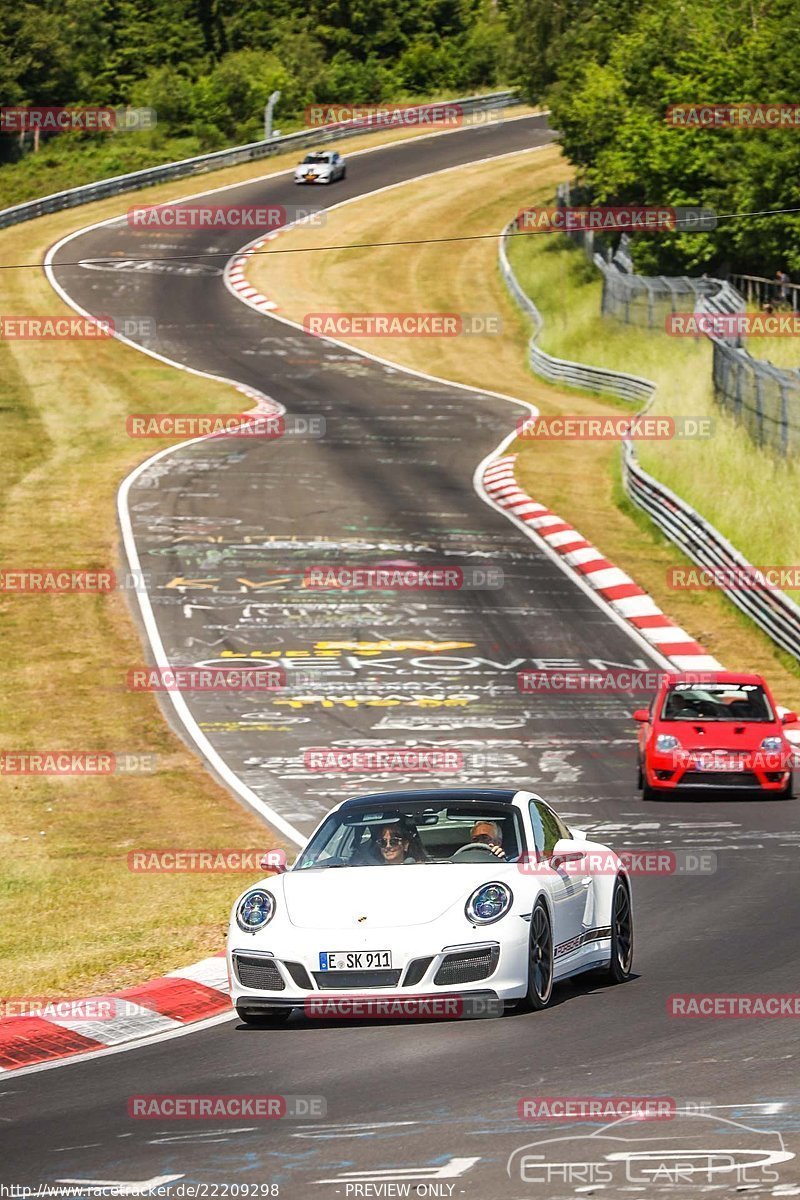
(255, 910)
(666, 742)
(488, 903)
(772, 744)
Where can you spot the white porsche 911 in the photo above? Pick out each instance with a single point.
(496, 898)
(321, 166)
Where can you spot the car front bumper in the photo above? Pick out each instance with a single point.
(489, 967)
(752, 774)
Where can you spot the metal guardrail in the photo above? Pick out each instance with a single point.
(596, 380)
(233, 156)
(726, 301)
(771, 609)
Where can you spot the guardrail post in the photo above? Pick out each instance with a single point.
(759, 409)
(738, 381)
(784, 419)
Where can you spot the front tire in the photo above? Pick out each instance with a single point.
(263, 1017)
(540, 960)
(621, 965)
(644, 787)
(648, 794)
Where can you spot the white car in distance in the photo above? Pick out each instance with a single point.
(321, 166)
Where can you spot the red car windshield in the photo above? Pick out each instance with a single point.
(742, 702)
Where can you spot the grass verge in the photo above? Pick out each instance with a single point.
(579, 480)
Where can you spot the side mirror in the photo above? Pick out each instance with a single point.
(789, 718)
(642, 714)
(565, 851)
(273, 860)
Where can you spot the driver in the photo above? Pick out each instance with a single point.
(488, 834)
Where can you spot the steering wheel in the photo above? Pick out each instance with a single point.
(476, 851)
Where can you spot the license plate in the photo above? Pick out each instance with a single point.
(354, 960)
(725, 762)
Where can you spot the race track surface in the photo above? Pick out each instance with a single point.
(237, 524)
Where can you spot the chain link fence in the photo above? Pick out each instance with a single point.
(765, 399)
(647, 300)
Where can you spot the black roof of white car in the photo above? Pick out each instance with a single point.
(436, 796)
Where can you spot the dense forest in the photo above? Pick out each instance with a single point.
(608, 70)
(611, 70)
(208, 66)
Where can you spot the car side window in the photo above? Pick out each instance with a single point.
(538, 830)
(553, 828)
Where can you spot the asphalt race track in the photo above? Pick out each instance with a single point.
(237, 524)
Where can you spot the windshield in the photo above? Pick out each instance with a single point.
(421, 833)
(717, 702)
(316, 158)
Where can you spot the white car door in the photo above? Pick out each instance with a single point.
(569, 885)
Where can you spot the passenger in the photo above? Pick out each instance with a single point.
(488, 834)
(398, 843)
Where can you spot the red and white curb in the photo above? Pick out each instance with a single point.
(161, 1006)
(618, 590)
(241, 284)
(629, 601)
(235, 270)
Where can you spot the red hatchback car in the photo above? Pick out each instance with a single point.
(719, 731)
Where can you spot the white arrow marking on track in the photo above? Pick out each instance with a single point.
(449, 1170)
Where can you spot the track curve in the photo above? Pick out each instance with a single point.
(392, 480)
